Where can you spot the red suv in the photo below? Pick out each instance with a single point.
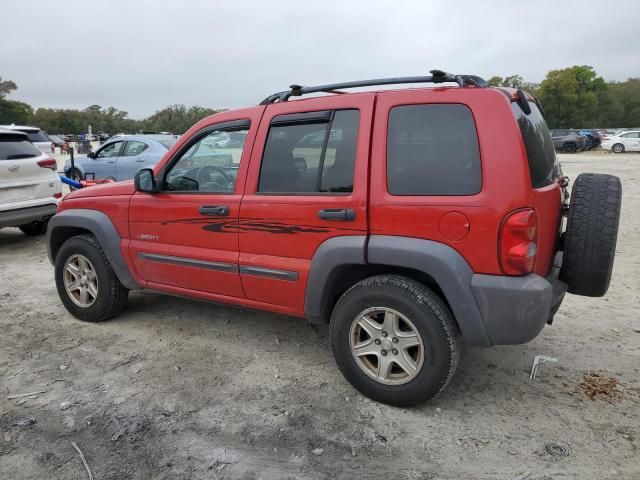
(411, 221)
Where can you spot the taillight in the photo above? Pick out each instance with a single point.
(518, 239)
(48, 163)
(57, 195)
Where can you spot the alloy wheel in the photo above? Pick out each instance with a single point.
(80, 280)
(386, 346)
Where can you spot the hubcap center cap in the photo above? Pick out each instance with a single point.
(386, 344)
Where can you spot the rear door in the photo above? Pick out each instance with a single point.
(132, 159)
(307, 183)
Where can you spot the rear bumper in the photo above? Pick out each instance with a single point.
(23, 216)
(515, 309)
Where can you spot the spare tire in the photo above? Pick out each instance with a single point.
(592, 231)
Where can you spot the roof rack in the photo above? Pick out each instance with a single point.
(437, 76)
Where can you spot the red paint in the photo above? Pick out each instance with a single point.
(454, 226)
(158, 223)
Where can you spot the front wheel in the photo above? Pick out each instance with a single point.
(570, 148)
(86, 283)
(395, 340)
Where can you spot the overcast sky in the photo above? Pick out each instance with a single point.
(142, 55)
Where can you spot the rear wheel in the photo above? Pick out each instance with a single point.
(618, 148)
(86, 283)
(395, 340)
(592, 232)
(569, 148)
(34, 229)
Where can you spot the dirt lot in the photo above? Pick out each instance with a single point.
(178, 389)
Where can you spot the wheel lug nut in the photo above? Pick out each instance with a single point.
(377, 341)
(384, 334)
(395, 340)
(384, 353)
(395, 352)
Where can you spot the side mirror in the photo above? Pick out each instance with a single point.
(91, 155)
(144, 181)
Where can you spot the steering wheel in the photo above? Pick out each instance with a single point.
(204, 175)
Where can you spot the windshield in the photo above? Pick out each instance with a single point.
(38, 136)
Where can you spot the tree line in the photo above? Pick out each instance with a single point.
(573, 97)
(174, 118)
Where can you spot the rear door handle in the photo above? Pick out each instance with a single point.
(343, 214)
(214, 210)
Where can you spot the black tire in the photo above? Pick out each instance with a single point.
(112, 296)
(569, 148)
(34, 229)
(430, 316)
(592, 232)
(617, 148)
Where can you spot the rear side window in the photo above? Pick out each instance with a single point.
(433, 150)
(14, 147)
(537, 141)
(38, 136)
(311, 156)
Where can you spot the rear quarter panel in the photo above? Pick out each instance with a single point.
(505, 178)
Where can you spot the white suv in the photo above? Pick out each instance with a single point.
(30, 188)
(38, 137)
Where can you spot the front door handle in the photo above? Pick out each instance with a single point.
(342, 214)
(214, 210)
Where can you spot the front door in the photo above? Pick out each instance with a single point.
(180, 237)
(307, 184)
(103, 164)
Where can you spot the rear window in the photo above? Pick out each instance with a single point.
(433, 150)
(14, 147)
(537, 141)
(168, 143)
(38, 136)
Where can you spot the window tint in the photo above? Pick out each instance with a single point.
(14, 147)
(537, 141)
(432, 150)
(210, 165)
(631, 135)
(134, 148)
(38, 136)
(111, 150)
(311, 157)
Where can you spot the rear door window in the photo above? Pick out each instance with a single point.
(14, 147)
(541, 154)
(311, 156)
(134, 148)
(433, 150)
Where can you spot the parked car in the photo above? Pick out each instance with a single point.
(399, 234)
(30, 188)
(628, 141)
(568, 141)
(593, 138)
(120, 158)
(36, 136)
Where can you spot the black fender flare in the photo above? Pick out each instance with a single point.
(101, 227)
(442, 263)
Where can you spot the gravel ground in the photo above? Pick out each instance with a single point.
(182, 389)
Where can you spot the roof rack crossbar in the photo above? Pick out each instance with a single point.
(437, 76)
